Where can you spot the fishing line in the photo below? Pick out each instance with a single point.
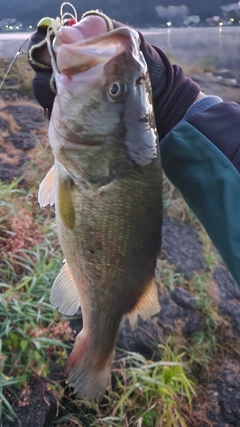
(19, 52)
(51, 33)
(56, 24)
(64, 15)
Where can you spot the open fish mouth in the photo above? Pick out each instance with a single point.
(73, 52)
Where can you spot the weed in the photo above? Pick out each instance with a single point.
(146, 394)
(170, 279)
(19, 77)
(31, 331)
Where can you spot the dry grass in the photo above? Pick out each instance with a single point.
(145, 394)
(10, 121)
(19, 77)
(175, 206)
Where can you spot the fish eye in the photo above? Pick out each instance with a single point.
(116, 90)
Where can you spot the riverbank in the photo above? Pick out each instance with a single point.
(218, 47)
(197, 329)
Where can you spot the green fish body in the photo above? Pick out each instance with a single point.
(107, 187)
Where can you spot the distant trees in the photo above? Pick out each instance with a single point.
(206, 8)
(134, 12)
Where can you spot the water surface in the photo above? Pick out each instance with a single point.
(186, 45)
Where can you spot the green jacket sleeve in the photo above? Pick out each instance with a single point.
(208, 180)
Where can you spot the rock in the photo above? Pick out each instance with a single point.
(143, 340)
(226, 390)
(183, 298)
(225, 78)
(226, 74)
(228, 296)
(227, 89)
(193, 324)
(33, 406)
(4, 125)
(22, 140)
(12, 169)
(28, 117)
(182, 247)
(173, 317)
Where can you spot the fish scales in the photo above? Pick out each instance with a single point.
(111, 236)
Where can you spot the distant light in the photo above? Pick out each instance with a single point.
(30, 27)
(220, 24)
(10, 27)
(17, 27)
(6, 26)
(231, 19)
(169, 24)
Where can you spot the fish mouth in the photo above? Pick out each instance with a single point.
(74, 56)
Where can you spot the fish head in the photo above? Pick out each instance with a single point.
(103, 91)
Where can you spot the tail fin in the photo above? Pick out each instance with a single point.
(88, 369)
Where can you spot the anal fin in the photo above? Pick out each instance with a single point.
(147, 306)
(64, 293)
(46, 193)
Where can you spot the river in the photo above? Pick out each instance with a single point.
(220, 46)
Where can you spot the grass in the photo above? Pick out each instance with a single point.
(31, 332)
(19, 77)
(33, 336)
(146, 394)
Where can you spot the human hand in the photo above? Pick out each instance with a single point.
(40, 59)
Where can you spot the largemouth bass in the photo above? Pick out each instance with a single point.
(107, 187)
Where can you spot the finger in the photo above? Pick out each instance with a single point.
(42, 55)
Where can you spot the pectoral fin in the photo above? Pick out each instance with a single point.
(64, 293)
(147, 306)
(46, 193)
